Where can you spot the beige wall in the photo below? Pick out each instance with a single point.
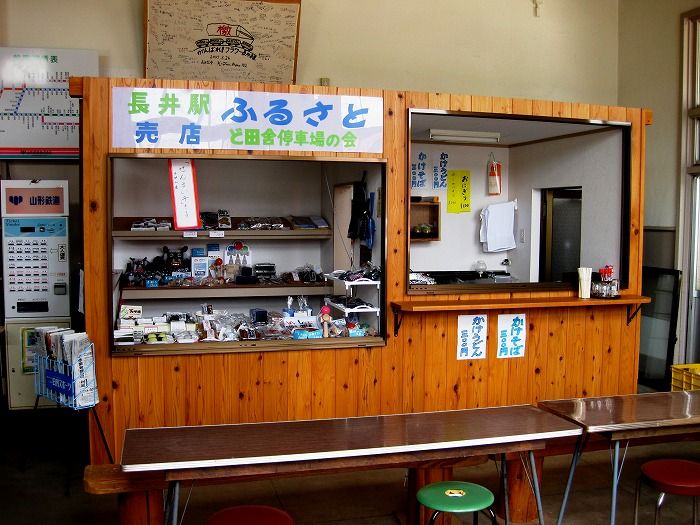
(113, 27)
(488, 47)
(497, 47)
(649, 75)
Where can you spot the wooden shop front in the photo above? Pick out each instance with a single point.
(575, 347)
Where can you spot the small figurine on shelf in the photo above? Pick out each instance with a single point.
(174, 259)
(325, 319)
(216, 269)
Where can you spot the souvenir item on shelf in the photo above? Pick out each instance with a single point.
(224, 220)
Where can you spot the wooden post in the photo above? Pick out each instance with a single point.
(141, 508)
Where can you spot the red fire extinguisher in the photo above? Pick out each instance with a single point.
(494, 175)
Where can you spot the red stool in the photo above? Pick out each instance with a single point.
(670, 476)
(250, 515)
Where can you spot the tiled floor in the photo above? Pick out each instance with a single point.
(33, 476)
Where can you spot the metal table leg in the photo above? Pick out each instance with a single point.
(616, 476)
(578, 449)
(172, 502)
(536, 488)
(504, 481)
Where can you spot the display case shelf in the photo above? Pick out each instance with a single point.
(357, 282)
(304, 237)
(349, 286)
(363, 309)
(121, 230)
(205, 347)
(229, 291)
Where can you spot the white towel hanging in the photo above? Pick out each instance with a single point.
(497, 222)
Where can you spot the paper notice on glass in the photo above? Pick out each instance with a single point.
(183, 190)
(471, 336)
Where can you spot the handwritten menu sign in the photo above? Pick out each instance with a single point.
(236, 40)
(471, 336)
(183, 190)
(459, 191)
(418, 169)
(440, 171)
(511, 335)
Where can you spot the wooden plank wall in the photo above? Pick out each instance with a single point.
(582, 351)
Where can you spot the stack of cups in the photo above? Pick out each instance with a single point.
(584, 283)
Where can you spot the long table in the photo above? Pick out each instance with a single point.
(331, 445)
(624, 418)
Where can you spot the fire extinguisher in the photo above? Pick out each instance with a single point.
(494, 175)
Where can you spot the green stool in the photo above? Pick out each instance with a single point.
(457, 497)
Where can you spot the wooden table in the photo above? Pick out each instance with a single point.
(623, 418)
(314, 446)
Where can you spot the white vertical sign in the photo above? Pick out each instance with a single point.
(183, 190)
(511, 335)
(471, 336)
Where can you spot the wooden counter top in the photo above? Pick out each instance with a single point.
(402, 307)
(510, 304)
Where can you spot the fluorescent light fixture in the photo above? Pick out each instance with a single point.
(467, 137)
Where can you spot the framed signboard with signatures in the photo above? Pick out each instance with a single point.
(226, 40)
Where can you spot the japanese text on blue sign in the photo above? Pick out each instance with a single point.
(440, 171)
(511, 335)
(418, 178)
(223, 119)
(471, 336)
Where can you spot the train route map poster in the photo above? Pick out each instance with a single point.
(226, 40)
(38, 118)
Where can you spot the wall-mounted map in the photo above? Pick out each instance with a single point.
(234, 40)
(38, 118)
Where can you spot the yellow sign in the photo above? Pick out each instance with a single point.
(459, 191)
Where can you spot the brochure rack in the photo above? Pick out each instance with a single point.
(72, 385)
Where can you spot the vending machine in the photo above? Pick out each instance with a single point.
(36, 285)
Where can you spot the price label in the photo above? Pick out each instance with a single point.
(216, 233)
(189, 234)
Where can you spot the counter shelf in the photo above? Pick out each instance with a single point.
(633, 303)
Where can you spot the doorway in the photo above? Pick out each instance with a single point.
(560, 240)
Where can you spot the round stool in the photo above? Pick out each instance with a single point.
(456, 497)
(250, 515)
(669, 476)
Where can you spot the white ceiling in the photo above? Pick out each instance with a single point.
(513, 130)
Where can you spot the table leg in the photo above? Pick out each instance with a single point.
(172, 502)
(570, 480)
(536, 487)
(504, 485)
(616, 477)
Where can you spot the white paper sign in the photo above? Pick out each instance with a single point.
(147, 118)
(183, 190)
(471, 336)
(512, 335)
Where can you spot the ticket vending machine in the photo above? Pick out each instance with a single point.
(36, 286)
